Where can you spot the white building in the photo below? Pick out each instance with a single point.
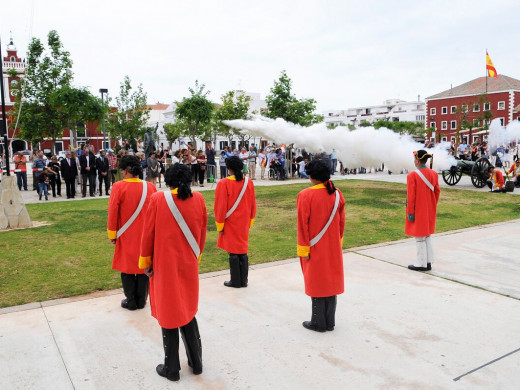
(395, 110)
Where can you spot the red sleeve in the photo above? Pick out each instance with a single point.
(303, 209)
(204, 226)
(500, 179)
(253, 204)
(113, 212)
(220, 207)
(341, 216)
(410, 193)
(148, 235)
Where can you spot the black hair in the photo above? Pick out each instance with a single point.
(320, 170)
(131, 164)
(179, 176)
(236, 165)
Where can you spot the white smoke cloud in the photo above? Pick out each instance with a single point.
(500, 135)
(363, 147)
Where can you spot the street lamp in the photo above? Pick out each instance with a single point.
(103, 91)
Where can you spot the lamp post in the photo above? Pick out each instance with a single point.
(3, 124)
(103, 91)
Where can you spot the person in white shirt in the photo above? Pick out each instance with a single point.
(301, 169)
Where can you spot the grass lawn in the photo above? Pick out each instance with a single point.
(72, 256)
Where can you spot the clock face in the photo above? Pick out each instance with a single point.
(14, 84)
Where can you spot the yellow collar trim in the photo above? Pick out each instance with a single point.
(231, 177)
(318, 186)
(133, 180)
(175, 191)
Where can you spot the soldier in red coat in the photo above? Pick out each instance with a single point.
(173, 240)
(496, 180)
(126, 209)
(321, 222)
(235, 209)
(421, 209)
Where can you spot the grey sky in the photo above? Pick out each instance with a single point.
(341, 53)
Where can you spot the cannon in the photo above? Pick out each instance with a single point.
(478, 170)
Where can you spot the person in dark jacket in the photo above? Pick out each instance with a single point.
(103, 171)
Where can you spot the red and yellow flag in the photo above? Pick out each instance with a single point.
(491, 71)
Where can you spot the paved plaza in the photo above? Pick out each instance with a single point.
(455, 327)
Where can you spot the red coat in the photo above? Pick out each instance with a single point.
(124, 198)
(422, 202)
(234, 239)
(497, 179)
(323, 272)
(174, 285)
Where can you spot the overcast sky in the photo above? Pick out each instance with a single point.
(341, 53)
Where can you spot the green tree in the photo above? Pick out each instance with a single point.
(195, 112)
(281, 103)
(129, 121)
(174, 131)
(401, 127)
(233, 107)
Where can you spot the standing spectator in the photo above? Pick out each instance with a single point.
(53, 172)
(252, 163)
(333, 162)
(160, 156)
(126, 197)
(69, 172)
(37, 166)
(201, 167)
(192, 160)
(172, 243)
(422, 196)
(103, 171)
(244, 156)
(112, 165)
(87, 163)
(321, 223)
(43, 184)
(211, 165)
(262, 160)
(152, 169)
(20, 168)
(235, 211)
(222, 164)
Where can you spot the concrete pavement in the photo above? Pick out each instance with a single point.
(395, 328)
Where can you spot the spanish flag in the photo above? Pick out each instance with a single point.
(491, 71)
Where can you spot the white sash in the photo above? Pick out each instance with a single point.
(232, 209)
(182, 224)
(315, 240)
(430, 186)
(136, 212)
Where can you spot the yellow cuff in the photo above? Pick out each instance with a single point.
(342, 242)
(200, 256)
(303, 251)
(112, 234)
(145, 262)
(252, 222)
(220, 226)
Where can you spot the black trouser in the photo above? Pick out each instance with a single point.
(239, 269)
(70, 187)
(55, 182)
(91, 183)
(105, 179)
(135, 288)
(324, 312)
(223, 172)
(192, 343)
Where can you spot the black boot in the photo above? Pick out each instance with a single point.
(317, 322)
(129, 286)
(141, 291)
(244, 269)
(330, 312)
(234, 270)
(191, 339)
(171, 367)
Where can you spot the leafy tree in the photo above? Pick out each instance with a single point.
(129, 121)
(233, 107)
(281, 103)
(195, 112)
(174, 131)
(401, 127)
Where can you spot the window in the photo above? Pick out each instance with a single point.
(444, 125)
(445, 110)
(453, 125)
(453, 109)
(476, 123)
(487, 106)
(432, 124)
(12, 59)
(433, 111)
(464, 108)
(476, 107)
(419, 118)
(501, 105)
(444, 139)
(475, 138)
(502, 121)
(452, 140)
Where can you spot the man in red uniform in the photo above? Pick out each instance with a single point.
(321, 222)
(173, 239)
(496, 180)
(235, 210)
(421, 209)
(515, 170)
(126, 210)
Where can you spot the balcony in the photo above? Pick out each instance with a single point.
(19, 66)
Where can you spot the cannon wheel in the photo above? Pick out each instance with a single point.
(479, 172)
(452, 176)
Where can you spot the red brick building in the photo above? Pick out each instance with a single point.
(464, 112)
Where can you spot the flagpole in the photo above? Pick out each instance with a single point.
(486, 70)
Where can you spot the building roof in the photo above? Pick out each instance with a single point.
(157, 106)
(478, 87)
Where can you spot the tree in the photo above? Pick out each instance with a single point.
(281, 103)
(46, 73)
(129, 121)
(195, 112)
(401, 127)
(174, 131)
(233, 107)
